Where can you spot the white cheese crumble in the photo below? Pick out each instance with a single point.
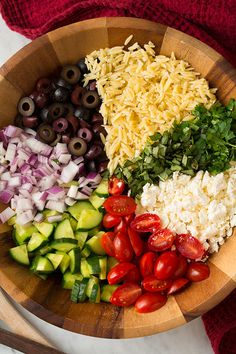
(204, 205)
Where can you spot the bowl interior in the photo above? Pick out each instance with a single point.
(47, 299)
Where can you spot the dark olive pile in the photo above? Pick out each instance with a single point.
(60, 109)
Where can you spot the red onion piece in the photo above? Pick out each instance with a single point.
(72, 192)
(5, 196)
(6, 214)
(39, 217)
(55, 218)
(11, 131)
(81, 196)
(56, 205)
(64, 158)
(69, 172)
(70, 201)
(25, 218)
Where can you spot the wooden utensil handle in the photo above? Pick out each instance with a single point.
(25, 345)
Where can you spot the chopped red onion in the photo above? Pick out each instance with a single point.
(44, 196)
(55, 218)
(11, 131)
(3, 185)
(30, 131)
(47, 182)
(81, 196)
(2, 150)
(81, 170)
(69, 172)
(59, 149)
(10, 153)
(14, 181)
(15, 140)
(64, 158)
(25, 168)
(22, 154)
(5, 196)
(55, 205)
(86, 190)
(83, 183)
(6, 214)
(25, 217)
(27, 186)
(5, 176)
(39, 217)
(2, 169)
(94, 178)
(38, 147)
(72, 192)
(24, 204)
(55, 190)
(3, 138)
(70, 201)
(78, 160)
(33, 159)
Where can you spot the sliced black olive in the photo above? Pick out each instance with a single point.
(61, 94)
(90, 99)
(85, 134)
(18, 121)
(26, 106)
(84, 124)
(74, 122)
(97, 118)
(71, 74)
(99, 129)
(60, 125)
(92, 166)
(40, 99)
(102, 166)
(82, 113)
(93, 152)
(60, 82)
(57, 140)
(56, 110)
(77, 94)
(30, 122)
(82, 66)
(77, 146)
(44, 85)
(68, 110)
(46, 133)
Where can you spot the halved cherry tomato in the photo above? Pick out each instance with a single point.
(161, 240)
(136, 242)
(126, 294)
(123, 249)
(117, 273)
(116, 186)
(166, 265)
(129, 218)
(150, 302)
(133, 276)
(146, 223)
(177, 285)
(107, 243)
(152, 284)
(189, 246)
(110, 221)
(121, 227)
(198, 271)
(182, 267)
(146, 263)
(120, 205)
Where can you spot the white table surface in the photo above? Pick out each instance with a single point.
(190, 339)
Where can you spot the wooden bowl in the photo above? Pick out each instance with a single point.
(47, 299)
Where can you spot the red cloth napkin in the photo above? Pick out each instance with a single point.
(212, 21)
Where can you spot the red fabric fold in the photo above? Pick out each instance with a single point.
(211, 21)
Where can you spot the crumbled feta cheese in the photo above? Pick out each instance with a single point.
(204, 205)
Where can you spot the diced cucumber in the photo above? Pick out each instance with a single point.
(82, 290)
(69, 279)
(95, 245)
(12, 220)
(85, 252)
(36, 241)
(93, 265)
(81, 236)
(111, 262)
(65, 261)
(63, 230)
(96, 201)
(89, 219)
(103, 267)
(76, 209)
(64, 244)
(47, 212)
(107, 291)
(93, 231)
(102, 189)
(55, 259)
(42, 265)
(44, 228)
(23, 233)
(84, 268)
(75, 259)
(75, 291)
(73, 223)
(20, 254)
(93, 290)
(44, 250)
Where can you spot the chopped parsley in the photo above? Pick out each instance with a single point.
(207, 142)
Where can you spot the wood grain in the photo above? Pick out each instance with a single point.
(47, 299)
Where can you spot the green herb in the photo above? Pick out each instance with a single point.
(207, 142)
